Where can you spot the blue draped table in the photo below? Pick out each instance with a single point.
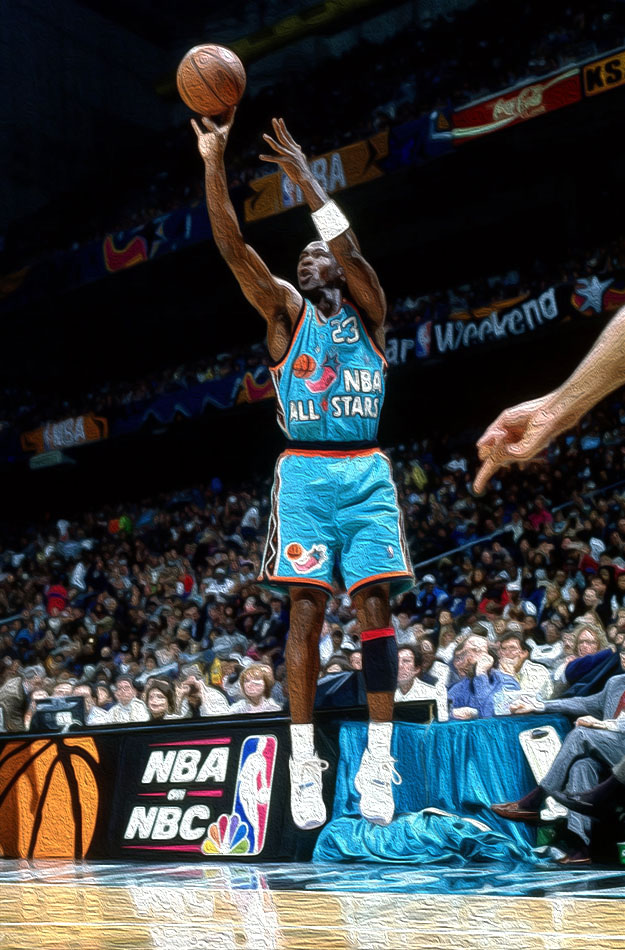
(457, 767)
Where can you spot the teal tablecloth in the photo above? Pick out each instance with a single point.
(457, 767)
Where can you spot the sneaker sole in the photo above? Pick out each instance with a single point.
(309, 825)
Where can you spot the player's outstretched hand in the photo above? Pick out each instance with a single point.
(288, 154)
(517, 435)
(211, 140)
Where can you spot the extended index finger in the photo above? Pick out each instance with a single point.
(485, 473)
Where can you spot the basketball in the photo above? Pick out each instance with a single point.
(210, 79)
(294, 551)
(41, 781)
(304, 366)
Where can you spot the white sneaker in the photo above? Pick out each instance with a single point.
(307, 807)
(374, 780)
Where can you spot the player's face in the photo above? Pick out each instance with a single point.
(317, 267)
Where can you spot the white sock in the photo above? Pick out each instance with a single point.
(379, 740)
(302, 741)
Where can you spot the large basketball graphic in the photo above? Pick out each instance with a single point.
(48, 797)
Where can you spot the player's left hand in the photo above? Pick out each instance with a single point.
(289, 155)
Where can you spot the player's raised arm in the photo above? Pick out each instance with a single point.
(520, 433)
(332, 225)
(273, 298)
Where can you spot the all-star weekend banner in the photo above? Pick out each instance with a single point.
(505, 322)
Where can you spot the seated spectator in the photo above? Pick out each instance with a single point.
(433, 671)
(198, 700)
(159, 699)
(128, 708)
(473, 697)
(533, 678)
(594, 745)
(104, 696)
(409, 685)
(588, 640)
(32, 706)
(256, 682)
(404, 627)
(337, 663)
(15, 694)
(94, 715)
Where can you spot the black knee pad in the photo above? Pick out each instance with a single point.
(379, 660)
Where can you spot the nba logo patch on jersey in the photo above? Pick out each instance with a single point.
(243, 832)
(328, 375)
(306, 561)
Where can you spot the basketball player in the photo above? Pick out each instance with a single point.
(333, 492)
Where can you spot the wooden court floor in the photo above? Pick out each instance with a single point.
(62, 906)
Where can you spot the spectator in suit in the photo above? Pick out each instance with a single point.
(596, 743)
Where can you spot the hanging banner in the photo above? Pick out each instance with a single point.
(351, 165)
(516, 105)
(604, 74)
(598, 294)
(503, 322)
(66, 434)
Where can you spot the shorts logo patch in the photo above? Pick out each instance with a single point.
(390, 551)
(306, 561)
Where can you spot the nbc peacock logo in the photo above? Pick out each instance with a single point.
(243, 831)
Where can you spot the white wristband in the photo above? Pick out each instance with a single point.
(330, 221)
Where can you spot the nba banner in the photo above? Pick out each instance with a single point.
(199, 795)
(202, 790)
(66, 434)
(351, 165)
(516, 105)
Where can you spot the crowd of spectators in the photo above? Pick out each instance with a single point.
(425, 66)
(26, 409)
(152, 610)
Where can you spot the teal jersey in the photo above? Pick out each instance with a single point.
(330, 384)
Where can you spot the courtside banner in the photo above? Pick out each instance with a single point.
(209, 794)
(348, 166)
(181, 790)
(604, 74)
(66, 434)
(516, 105)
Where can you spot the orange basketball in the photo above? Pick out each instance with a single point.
(48, 797)
(304, 366)
(210, 79)
(294, 551)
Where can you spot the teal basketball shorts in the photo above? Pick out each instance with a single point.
(335, 504)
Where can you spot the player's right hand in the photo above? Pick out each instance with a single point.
(211, 140)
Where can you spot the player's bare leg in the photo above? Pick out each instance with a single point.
(302, 663)
(377, 773)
